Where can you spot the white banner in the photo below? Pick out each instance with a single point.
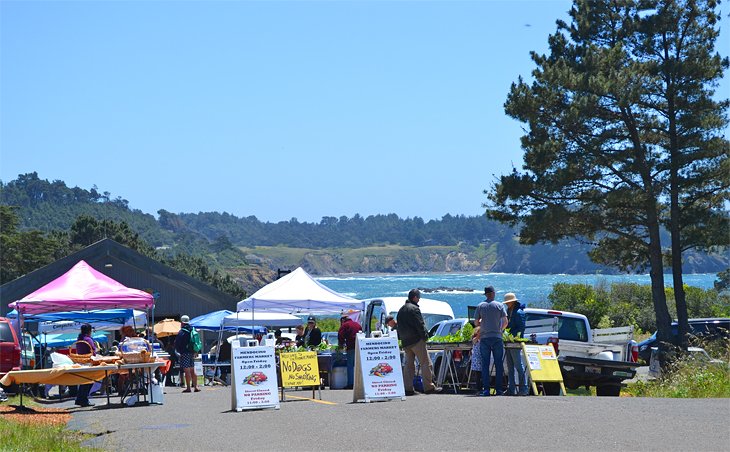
(254, 378)
(379, 368)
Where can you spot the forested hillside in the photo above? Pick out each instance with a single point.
(378, 243)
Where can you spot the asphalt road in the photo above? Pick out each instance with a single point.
(204, 421)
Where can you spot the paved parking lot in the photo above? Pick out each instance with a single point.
(205, 421)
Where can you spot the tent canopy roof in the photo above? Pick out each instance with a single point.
(298, 292)
(246, 319)
(82, 288)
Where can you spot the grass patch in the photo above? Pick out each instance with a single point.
(687, 378)
(35, 428)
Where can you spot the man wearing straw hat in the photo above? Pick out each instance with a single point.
(516, 325)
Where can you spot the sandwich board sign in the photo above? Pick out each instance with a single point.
(254, 378)
(299, 369)
(542, 365)
(378, 371)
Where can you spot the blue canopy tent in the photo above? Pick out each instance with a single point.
(214, 322)
(61, 340)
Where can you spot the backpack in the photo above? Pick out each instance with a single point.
(195, 345)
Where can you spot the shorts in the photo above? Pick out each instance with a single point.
(186, 360)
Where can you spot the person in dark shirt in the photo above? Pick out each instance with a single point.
(84, 345)
(312, 335)
(413, 335)
(186, 356)
(347, 335)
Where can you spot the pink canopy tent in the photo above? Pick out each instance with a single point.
(82, 288)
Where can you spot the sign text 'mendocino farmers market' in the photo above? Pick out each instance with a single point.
(254, 378)
(378, 369)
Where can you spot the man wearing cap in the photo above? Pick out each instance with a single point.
(413, 335)
(516, 325)
(347, 335)
(491, 316)
(312, 335)
(187, 364)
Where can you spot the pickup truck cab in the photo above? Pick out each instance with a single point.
(602, 358)
(10, 349)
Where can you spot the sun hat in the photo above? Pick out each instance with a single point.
(184, 319)
(510, 297)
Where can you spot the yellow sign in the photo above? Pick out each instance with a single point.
(542, 365)
(299, 369)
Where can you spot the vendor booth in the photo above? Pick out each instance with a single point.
(82, 291)
(299, 293)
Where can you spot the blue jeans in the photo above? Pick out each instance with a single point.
(492, 346)
(350, 368)
(515, 362)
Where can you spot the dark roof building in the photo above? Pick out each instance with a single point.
(176, 292)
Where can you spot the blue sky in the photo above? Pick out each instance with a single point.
(275, 109)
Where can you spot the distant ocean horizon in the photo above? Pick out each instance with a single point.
(533, 290)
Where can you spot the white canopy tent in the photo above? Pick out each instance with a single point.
(298, 293)
(246, 319)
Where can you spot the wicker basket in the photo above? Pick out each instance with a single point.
(135, 351)
(80, 359)
(138, 357)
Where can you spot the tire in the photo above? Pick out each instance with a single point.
(608, 390)
(551, 389)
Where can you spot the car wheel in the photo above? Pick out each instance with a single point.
(551, 388)
(608, 390)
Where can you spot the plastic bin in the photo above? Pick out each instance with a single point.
(338, 379)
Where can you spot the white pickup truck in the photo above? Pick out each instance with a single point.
(602, 358)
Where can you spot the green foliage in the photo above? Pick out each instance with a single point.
(328, 324)
(723, 281)
(624, 304)
(507, 336)
(463, 335)
(22, 251)
(688, 378)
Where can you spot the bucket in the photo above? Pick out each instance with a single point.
(338, 380)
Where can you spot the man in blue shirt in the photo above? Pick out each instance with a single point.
(491, 317)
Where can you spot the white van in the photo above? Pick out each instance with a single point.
(377, 309)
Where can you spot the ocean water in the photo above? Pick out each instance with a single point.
(532, 290)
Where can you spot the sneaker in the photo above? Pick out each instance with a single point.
(436, 390)
(485, 393)
(412, 393)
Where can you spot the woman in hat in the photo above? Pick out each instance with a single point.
(515, 364)
(312, 335)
